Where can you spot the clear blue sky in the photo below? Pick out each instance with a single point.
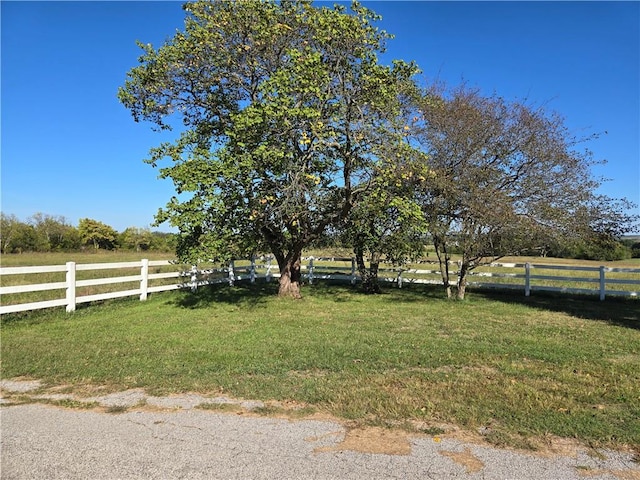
(69, 148)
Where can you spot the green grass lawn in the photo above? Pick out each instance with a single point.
(525, 368)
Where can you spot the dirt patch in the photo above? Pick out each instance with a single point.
(20, 385)
(391, 441)
(373, 440)
(626, 474)
(548, 446)
(128, 398)
(337, 433)
(621, 474)
(552, 446)
(466, 459)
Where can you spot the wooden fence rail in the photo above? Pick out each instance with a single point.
(336, 269)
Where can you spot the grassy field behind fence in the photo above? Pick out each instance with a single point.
(520, 369)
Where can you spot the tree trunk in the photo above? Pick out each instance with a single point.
(462, 280)
(374, 264)
(369, 275)
(443, 260)
(290, 274)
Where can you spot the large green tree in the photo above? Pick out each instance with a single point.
(281, 104)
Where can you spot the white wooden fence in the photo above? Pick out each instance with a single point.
(526, 280)
(70, 285)
(529, 276)
(185, 279)
(339, 269)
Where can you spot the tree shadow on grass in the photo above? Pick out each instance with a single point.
(616, 311)
(624, 312)
(246, 294)
(253, 295)
(410, 293)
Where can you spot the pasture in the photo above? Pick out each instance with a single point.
(519, 370)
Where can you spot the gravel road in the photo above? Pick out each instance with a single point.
(169, 438)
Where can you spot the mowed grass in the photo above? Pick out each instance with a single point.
(518, 368)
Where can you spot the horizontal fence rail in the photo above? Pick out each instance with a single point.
(526, 277)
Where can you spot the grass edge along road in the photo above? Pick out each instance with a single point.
(519, 370)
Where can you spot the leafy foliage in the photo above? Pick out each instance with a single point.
(49, 233)
(40, 233)
(386, 221)
(292, 131)
(136, 239)
(507, 178)
(98, 234)
(281, 104)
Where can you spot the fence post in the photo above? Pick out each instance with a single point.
(527, 279)
(71, 286)
(194, 278)
(232, 275)
(353, 271)
(400, 279)
(252, 273)
(268, 274)
(602, 283)
(310, 271)
(144, 279)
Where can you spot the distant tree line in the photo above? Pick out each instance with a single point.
(52, 233)
(602, 248)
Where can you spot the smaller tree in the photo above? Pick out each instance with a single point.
(9, 225)
(97, 234)
(506, 178)
(55, 232)
(26, 239)
(386, 221)
(163, 241)
(137, 239)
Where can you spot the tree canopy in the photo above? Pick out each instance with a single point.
(98, 234)
(41, 232)
(282, 104)
(507, 178)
